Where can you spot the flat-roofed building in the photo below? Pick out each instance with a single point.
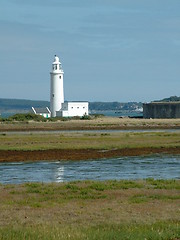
(72, 109)
(161, 110)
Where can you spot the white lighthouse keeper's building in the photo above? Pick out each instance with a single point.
(57, 89)
(57, 105)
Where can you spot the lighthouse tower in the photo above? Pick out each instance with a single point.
(57, 90)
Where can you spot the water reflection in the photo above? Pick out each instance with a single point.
(157, 166)
(59, 176)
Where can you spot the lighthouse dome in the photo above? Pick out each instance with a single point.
(56, 59)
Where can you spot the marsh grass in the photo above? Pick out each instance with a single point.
(77, 190)
(90, 210)
(145, 198)
(41, 194)
(167, 230)
(163, 183)
(76, 186)
(77, 140)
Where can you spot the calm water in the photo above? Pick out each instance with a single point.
(110, 113)
(113, 113)
(157, 166)
(87, 131)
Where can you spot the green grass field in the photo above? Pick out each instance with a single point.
(144, 209)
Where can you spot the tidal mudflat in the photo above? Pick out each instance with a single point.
(82, 145)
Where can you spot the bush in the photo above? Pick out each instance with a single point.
(86, 117)
(25, 117)
(96, 115)
(76, 118)
(55, 119)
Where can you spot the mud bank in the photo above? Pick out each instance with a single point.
(80, 154)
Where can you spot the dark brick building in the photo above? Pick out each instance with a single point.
(161, 110)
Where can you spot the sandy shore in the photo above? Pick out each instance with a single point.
(80, 154)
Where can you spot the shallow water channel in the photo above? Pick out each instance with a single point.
(156, 166)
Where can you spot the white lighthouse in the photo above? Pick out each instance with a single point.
(57, 90)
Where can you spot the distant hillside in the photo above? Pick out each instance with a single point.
(13, 105)
(20, 105)
(116, 106)
(170, 99)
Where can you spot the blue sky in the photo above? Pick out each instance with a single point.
(111, 50)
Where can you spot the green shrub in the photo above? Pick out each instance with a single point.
(21, 117)
(86, 117)
(96, 115)
(75, 118)
(55, 119)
